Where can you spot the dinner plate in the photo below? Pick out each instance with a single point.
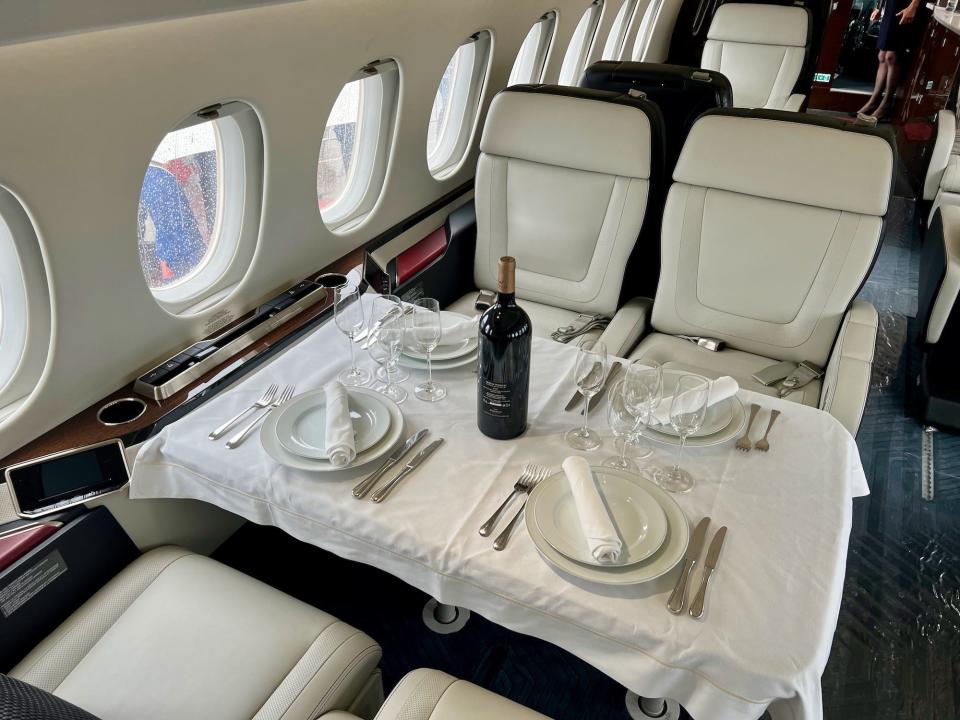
(716, 418)
(271, 443)
(661, 562)
(443, 351)
(415, 364)
(639, 519)
(731, 431)
(302, 423)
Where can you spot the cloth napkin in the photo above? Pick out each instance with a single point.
(459, 331)
(717, 391)
(598, 527)
(338, 434)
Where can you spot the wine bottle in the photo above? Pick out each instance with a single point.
(503, 360)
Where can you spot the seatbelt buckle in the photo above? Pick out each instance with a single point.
(805, 374)
(707, 343)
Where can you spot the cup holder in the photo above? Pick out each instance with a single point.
(332, 281)
(122, 411)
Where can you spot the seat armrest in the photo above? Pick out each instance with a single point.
(794, 102)
(846, 382)
(628, 326)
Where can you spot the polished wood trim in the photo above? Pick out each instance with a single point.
(84, 428)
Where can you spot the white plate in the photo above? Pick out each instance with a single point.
(717, 416)
(414, 364)
(301, 425)
(443, 351)
(661, 562)
(731, 431)
(271, 443)
(639, 519)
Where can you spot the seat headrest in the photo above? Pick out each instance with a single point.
(590, 130)
(792, 157)
(786, 25)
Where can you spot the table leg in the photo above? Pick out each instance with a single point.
(444, 619)
(640, 708)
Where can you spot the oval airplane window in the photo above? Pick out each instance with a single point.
(532, 58)
(456, 106)
(578, 51)
(356, 146)
(199, 208)
(24, 305)
(613, 48)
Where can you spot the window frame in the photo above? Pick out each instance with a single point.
(620, 30)
(26, 305)
(236, 228)
(573, 65)
(367, 175)
(538, 55)
(463, 113)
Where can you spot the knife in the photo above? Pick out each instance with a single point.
(713, 554)
(414, 463)
(679, 595)
(366, 485)
(614, 371)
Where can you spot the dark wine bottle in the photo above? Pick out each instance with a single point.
(503, 361)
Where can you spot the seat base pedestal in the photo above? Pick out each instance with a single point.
(649, 708)
(444, 619)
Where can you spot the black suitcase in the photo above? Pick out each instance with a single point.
(682, 93)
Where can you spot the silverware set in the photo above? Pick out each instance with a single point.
(271, 398)
(532, 474)
(364, 487)
(678, 598)
(590, 322)
(744, 444)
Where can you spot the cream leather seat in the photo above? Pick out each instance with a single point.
(563, 183)
(761, 49)
(434, 695)
(941, 185)
(178, 635)
(770, 228)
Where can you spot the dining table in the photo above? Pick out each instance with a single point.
(767, 630)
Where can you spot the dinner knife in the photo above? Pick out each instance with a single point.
(367, 484)
(713, 554)
(614, 371)
(679, 595)
(414, 463)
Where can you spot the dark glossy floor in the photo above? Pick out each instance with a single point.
(896, 653)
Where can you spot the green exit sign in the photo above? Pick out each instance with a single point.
(821, 77)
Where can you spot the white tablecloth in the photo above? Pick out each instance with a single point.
(773, 603)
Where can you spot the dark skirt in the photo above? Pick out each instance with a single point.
(893, 36)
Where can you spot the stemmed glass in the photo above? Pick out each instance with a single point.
(426, 330)
(687, 411)
(348, 314)
(590, 373)
(624, 421)
(643, 391)
(387, 327)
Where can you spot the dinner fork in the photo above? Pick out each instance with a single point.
(241, 436)
(501, 542)
(529, 472)
(262, 403)
(744, 444)
(762, 445)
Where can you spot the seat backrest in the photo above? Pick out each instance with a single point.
(770, 228)
(939, 282)
(563, 182)
(943, 148)
(760, 48)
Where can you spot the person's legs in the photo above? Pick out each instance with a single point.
(890, 86)
(879, 85)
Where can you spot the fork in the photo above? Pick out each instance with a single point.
(241, 436)
(744, 444)
(529, 472)
(262, 403)
(501, 542)
(762, 445)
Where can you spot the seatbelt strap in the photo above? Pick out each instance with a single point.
(711, 344)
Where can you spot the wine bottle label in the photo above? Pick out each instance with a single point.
(495, 398)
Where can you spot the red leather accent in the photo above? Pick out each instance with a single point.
(16, 545)
(416, 258)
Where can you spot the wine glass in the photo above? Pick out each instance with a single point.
(590, 373)
(425, 329)
(348, 314)
(643, 391)
(687, 411)
(624, 421)
(387, 328)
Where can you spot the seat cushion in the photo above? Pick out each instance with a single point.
(677, 354)
(178, 635)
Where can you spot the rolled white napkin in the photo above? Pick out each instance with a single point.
(459, 331)
(717, 391)
(598, 528)
(338, 434)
